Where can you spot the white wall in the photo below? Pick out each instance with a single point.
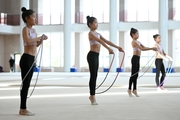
(2, 5)
(121, 26)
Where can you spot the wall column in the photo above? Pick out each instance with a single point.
(113, 31)
(67, 35)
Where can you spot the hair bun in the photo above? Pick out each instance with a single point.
(23, 9)
(155, 36)
(132, 29)
(88, 17)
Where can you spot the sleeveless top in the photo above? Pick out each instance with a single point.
(93, 42)
(159, 48)
(136, 48)
(32, 35)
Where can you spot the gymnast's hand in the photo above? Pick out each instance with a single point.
(170, 61)
(111, 51)
(120, 49)
(154, 48)
(44, 37)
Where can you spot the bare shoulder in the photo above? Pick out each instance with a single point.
(91, 33)
(156, 45)
(133, 42)
(25, 30)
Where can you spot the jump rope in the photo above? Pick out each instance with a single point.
(40, 49)
(108, 73)
(117, 74)
(168, 71)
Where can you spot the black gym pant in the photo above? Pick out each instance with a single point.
(93, 61)
(135, 68)
(26, 63)
(160, 67)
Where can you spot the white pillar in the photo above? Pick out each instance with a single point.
(113, 30)
(163, 23)
(67, 35)
(78, 36)
(79, 51)
(171, 6)
(23, 3)
(123, 36)
(170, 43)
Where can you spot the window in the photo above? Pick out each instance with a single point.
(177, 10)
(53, 50)
(176, 49)
(153, 10)
(3, 18)
(131, 10)
(96, 8)
(46, 61)
(104, 53)
(142, 10)
(53, 12)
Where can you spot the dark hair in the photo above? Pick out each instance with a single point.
(90, 20)
(133, 31)
(26, 13)
(155, 36)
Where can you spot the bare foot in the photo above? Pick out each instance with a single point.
(25, 112)
(129, 93)
(135, 93)
(93, 100)
(162, 88)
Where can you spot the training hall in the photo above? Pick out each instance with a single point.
(59, 88)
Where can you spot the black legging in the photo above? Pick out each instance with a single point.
(135, 68)
(25, 64)
(93, 61)
(159, 67)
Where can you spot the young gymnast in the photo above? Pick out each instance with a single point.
(137, 48)
(159, 62)
(96, 40)
(31, 42)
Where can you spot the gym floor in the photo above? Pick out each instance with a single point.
(64, 96)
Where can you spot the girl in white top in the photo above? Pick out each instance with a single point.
(159, 62)
(31, 42)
